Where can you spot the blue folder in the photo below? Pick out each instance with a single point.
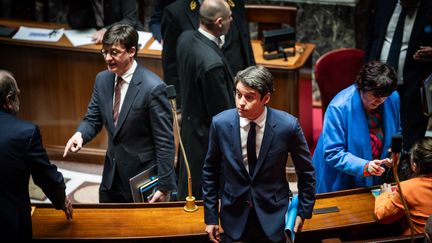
(290, 217)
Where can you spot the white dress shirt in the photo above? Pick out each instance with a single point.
(127, 77)
(244, 130)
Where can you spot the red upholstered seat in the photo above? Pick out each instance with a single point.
(336, 70)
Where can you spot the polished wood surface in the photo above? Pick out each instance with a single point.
(115, 221)
(354, 221)
(56, 82)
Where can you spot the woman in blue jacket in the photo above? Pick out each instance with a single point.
(357, 129)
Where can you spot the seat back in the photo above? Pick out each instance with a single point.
(336, 70)
(269, 17)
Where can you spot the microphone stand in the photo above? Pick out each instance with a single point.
(395, 165)
(190, 200)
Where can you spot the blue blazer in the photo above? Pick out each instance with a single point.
(267, 190)
(344, 146)
(143, 135)
(21, 155)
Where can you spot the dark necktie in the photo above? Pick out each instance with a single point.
(251, 148)
(117, 98)
(396, 44)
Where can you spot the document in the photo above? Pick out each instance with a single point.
(290, 217)
(38, 34)
(144, 184)
(80, 37)
(143, 38)
(155, 46)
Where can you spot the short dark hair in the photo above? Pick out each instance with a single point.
(378, 78)
(123, 34)
(421, 154)
(7, 86)
(258, 78)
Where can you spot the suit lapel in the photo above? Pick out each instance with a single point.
(128, 100)
(266, 141)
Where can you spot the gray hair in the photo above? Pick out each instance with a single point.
(8, 86)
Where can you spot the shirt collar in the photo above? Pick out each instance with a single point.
(260, 121)
(219, 41)
(127, 76)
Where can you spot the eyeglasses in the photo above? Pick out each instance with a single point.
(113, 52)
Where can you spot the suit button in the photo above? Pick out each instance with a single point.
(248, 204)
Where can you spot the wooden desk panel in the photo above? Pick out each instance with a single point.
(116, 221)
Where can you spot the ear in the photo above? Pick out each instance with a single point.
(266, 98)
(218, 22)
(132, 51)
(413, 166)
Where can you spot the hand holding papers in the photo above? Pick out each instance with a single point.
(38, 34)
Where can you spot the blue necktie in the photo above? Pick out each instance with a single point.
(396, 44)
(251, 148)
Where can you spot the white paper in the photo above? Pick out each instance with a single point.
(143, 38)
(155, 46)
(80, 37)
(38, 34)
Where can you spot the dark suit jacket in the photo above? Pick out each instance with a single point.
(267, 190)
(413, 121)
(143, 135)
(179, 17)
(207, 88)
(21, 155)
(81, 15)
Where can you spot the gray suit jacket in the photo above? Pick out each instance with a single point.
(143, 135)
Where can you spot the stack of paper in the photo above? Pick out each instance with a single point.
(80, 37)
(38, 34)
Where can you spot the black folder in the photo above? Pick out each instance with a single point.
(144, 184)
(7, 31)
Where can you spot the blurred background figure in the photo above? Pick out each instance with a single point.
(102, 14)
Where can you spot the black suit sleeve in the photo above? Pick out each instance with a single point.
(45, 174)
(217, 90)
(305, 172)
(161, 123)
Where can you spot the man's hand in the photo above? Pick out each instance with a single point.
(213, 232)
(98, 36)
(424, 53)
(298, 224)
(74, 144)
(68, 209)
(159, 197)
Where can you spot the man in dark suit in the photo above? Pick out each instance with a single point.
(249, 146)
(206, 86)
(102, 14)
(131, 102)
(183, 15)
(21, 155)
(412, 58)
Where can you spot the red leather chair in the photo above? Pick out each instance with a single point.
(336, 70)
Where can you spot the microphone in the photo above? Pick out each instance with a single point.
(190, 200)
(396, 148)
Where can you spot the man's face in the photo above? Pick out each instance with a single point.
(248, 101)
(117, 58)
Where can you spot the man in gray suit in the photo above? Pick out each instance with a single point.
(131, 102)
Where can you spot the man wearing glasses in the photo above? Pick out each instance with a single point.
(131, 102)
